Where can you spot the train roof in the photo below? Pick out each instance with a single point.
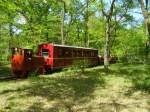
(70, 46)
(21, 48)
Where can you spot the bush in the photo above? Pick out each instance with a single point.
(79, 66)
(143, 84)
(132, 59)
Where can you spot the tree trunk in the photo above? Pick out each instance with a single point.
(0, 32)
(46, 18)
(69, 27)
(86, 38)
(78, 32)
(147, 28)
(47, 36)
(62, 24)
(106, 46)
(10, 35)
(108, 15)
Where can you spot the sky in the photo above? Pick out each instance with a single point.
(135, 12)
(138, 16)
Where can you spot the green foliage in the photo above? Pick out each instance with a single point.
(143, 83)
(26, 23)
(137, 73)
(79, 66)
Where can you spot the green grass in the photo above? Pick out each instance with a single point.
(124, 89)
(5, 70)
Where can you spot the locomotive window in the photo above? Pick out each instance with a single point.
(28, 53)
(16, 51)
(45, 52)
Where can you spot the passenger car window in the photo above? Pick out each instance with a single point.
(45, 53)
(60, 53)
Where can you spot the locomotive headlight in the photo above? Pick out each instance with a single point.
(29, 59)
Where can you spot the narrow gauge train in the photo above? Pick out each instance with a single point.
(23, 61)
(49, 57)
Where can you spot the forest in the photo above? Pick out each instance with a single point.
(118, 28)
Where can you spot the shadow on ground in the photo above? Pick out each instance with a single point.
(72, 92)
(139, 74)
(5, 71)
(66, 90)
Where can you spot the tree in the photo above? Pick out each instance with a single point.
(111, 22)
(108, 15)
(71, 22)
(63, 12)
(62, 22)
(145, 12)
(86, 38)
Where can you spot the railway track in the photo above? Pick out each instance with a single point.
(7, 78)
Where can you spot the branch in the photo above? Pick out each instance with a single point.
(144, 12)
(121, 17)
(111, 8)
(102, 9)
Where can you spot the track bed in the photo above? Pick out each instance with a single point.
(5, 72)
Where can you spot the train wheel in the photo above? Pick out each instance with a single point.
(48, 70)
(41, 70)
(16, 74)
(24, 74)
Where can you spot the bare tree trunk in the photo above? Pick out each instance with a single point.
(0, 32)
(108, 15)
(69, 27)
(46, 18)
(78, 32)
(62, 24)
(29, 21)
(86, 38)
(147, 28)
(10, 35)
(106, 46)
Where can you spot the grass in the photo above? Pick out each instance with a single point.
(124, 89)
(5, 70)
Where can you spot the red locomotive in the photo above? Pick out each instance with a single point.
(50, 57)
(23, 61)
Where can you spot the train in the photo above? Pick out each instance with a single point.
(50, 57)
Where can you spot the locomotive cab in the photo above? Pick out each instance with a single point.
(17, 58)
(26, 53)
(20, 57)
(16, 51)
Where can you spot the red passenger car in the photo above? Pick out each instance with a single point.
(50, 57)
(61, 56)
